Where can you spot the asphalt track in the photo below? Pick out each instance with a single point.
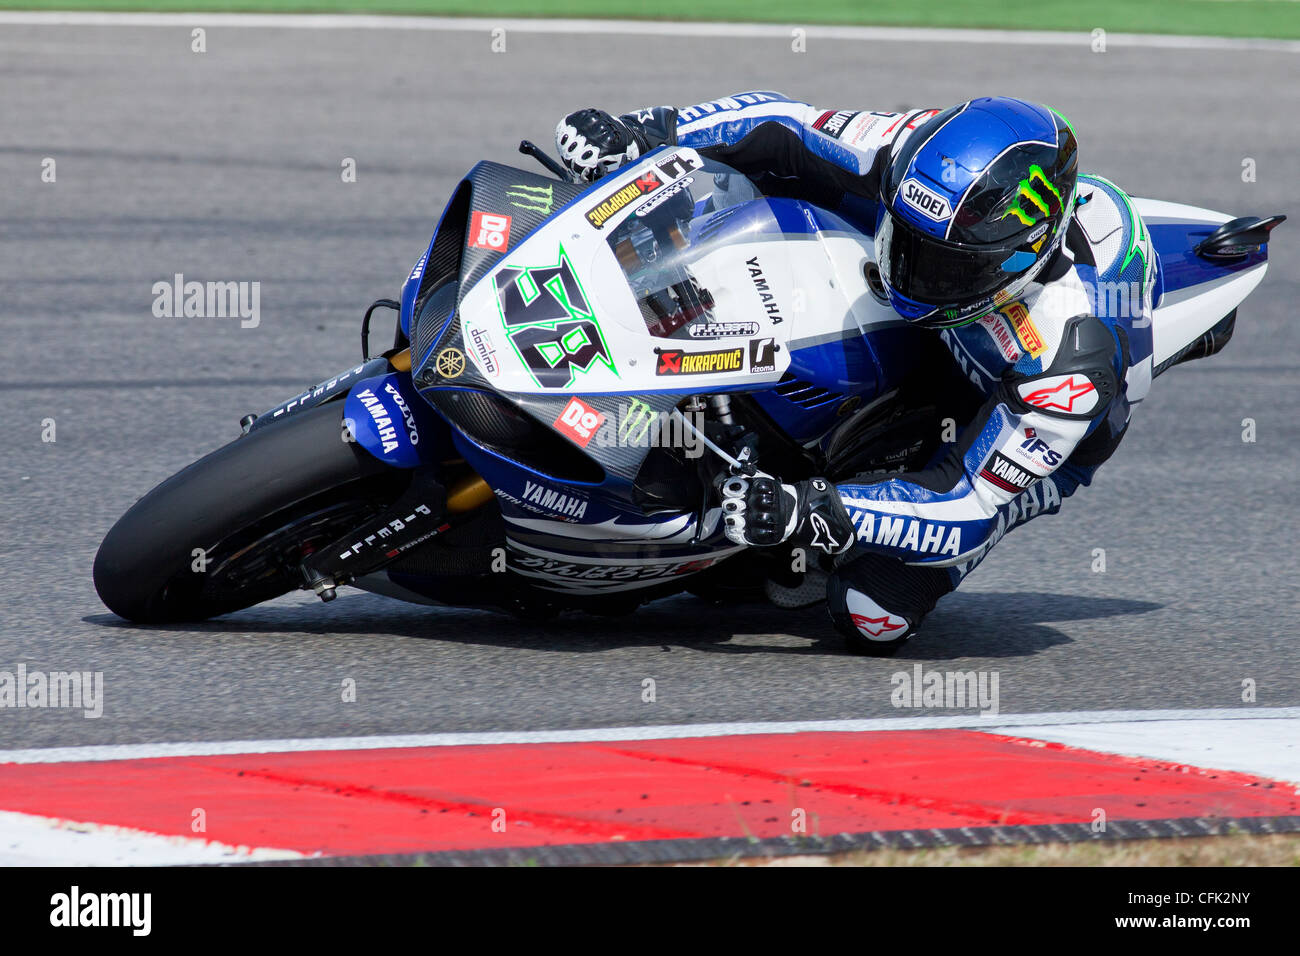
(226, 165)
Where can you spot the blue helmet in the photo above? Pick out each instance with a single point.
(973, 205)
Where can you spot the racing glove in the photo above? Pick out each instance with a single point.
(593, 143)
(760, 511)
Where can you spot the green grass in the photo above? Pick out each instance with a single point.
(1277, 19)
(1233, 851)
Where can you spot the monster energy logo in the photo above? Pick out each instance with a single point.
(639, 426)
(532, 198)
(1028, 196)
(636, 421)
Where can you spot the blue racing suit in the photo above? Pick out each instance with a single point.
(1060, 367)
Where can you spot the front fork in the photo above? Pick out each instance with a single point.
(384, 414)
(425, 510)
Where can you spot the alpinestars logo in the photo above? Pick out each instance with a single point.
(1063, 396)
(823, 539)
(876, 626)
(550, 323)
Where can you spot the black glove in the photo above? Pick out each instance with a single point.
(592, 143)
(759, 510)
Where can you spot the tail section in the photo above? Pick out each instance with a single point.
(1207, 263)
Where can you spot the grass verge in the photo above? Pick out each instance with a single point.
(1276, 19)
(1246, 850)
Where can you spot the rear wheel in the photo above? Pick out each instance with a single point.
(230, 530)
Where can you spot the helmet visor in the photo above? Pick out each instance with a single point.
(943, 274)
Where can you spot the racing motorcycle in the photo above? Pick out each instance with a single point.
(572, 366)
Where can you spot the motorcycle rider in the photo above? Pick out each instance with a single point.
(1038, 280)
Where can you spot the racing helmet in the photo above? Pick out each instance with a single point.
(974, 204)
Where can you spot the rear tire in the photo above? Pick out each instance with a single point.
(228, 531)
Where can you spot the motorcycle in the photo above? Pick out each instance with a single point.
(571, 367)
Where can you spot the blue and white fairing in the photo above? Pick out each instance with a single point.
(670, 279)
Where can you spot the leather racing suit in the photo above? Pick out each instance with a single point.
(1059, 369)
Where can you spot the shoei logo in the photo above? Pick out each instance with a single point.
(926, 200)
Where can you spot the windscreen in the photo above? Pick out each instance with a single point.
(664, 248)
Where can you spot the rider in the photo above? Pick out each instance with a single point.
(1038, 280)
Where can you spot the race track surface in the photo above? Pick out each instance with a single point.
(226, 165)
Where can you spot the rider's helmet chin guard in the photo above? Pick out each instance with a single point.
(974, 204)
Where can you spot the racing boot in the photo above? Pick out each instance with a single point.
(877, 602)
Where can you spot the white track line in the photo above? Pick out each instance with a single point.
(999, 723)
(30, 840)
(1266, 748)
(641, 28)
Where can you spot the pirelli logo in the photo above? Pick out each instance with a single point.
(1026, 331)
(612, 205)
(676, 362)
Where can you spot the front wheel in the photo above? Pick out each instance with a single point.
(231, 530)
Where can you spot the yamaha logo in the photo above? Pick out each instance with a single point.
(450, 363)
(927, 201)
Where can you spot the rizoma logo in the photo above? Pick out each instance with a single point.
(762, 355)
(676, 362)
(927, 201)
(677, 165)
(612, 205)
(1036, 198)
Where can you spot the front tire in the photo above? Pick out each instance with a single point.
(229, 531)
